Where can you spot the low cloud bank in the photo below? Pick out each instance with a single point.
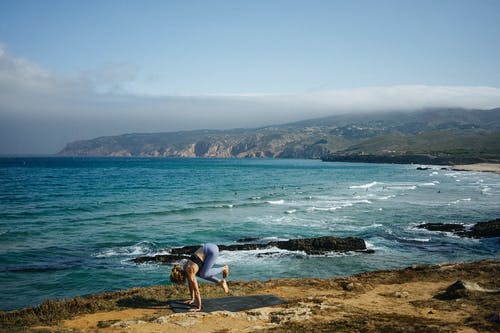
(40, 110)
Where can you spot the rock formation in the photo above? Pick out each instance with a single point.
(461, 289)
(445, 227)
(479, 230)
(311, 246)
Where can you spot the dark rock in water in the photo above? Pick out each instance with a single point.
(242, 247)
(315, 246)
(448, 227)
(484, 230)
(247, 239)
(479, 230)
(188, 250)
(423, 168)
(322, 245)
(267, 254)
(161, 258)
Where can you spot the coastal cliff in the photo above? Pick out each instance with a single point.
(441, 136)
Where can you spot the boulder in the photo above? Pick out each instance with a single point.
(463, 289)
(446, 227)
(347, 286)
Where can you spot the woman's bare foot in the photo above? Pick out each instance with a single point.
(224, 286)
(225, 271)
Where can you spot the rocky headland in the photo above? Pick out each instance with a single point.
(434, 136)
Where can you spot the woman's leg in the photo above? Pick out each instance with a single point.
(211, 252)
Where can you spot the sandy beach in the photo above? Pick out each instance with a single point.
(408, 300)
(484, 167)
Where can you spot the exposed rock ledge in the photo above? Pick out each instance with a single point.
(479, 230)
(311, 246)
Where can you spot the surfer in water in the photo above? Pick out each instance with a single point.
(200, 264)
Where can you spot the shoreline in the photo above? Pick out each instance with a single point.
(482, 167)
(368, 159)
(409, 299)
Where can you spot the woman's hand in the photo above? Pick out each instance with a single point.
(198, 309)
(189, 301)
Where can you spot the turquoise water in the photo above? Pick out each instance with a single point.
(69, 226)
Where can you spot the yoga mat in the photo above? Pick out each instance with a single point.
(233, 303)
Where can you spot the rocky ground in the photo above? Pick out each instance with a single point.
(459, 297)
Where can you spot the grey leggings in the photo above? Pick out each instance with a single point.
(211, 252)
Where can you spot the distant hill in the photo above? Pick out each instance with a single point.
(449, 134)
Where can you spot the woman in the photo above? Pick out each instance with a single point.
(200, 263)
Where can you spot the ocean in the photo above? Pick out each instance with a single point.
(70, 226)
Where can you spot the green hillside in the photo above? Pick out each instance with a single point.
(451, 133)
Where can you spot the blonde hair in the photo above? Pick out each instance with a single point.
(177, 275)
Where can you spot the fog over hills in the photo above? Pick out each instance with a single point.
(454, 133)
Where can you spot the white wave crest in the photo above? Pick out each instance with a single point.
(250, 256)
(132, 250)
(434, 183)
(323, 209)
(456, 202)
(364, 186)
(421, 240)
(276, 202)
(353, 227)
(402, 187)
(485, 190)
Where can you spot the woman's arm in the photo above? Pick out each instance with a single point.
(191, 292)
(195, 292)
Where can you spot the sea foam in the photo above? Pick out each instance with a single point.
(138, 249)
(276, 202)
(364, 186)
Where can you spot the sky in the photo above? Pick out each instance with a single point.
(72, 70)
